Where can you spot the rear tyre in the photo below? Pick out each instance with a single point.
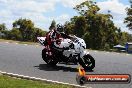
(50, 60)
(87, 62)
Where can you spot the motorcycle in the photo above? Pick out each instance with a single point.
(73, 51)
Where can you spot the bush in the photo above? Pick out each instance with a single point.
(107, 47)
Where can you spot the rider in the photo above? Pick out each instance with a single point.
(52, 36)
(55, 36)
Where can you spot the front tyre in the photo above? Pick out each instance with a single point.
(50, 60)
(87, 62)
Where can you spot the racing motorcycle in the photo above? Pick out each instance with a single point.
(73, 51)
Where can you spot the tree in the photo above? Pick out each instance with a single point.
(128, 19)
(26, 27)
(2, 27)
(53, 25)
(87, 7)
(7, 34)
(15, 34)
(80, 26)
(68, 28)
(99, 29)
(25, 30)
(129, 37)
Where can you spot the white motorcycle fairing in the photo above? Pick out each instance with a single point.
(41, 40)
(79, 46)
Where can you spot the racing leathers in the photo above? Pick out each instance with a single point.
(55, 40)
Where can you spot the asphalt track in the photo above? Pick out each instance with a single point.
(26, 60)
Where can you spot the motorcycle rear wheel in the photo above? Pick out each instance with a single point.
(87, 62)
(50, 60)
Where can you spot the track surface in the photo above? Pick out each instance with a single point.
(26, 60)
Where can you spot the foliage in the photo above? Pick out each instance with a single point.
(27, 30)
(96, 28)
(80, 26)
(129, 37)
(23, 30)
(107, 47)
(6, 33)
(2, 27)
(68, 28)
(15, 34)
(128, 19)
(53, 25)
(26, 27)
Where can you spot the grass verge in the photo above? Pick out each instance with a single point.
(19, 42)
(10, 82)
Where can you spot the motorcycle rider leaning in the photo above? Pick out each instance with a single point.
(55, 37)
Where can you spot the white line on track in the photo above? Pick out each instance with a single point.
(41, 79)
(37, 45)
(127, 54)
(26, 44)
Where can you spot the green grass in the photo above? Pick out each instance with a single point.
(9, 82)
(19, 42)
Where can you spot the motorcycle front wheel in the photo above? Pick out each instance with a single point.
(87, 62)
(50, 60)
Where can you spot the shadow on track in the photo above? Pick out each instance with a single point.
(46, 67)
